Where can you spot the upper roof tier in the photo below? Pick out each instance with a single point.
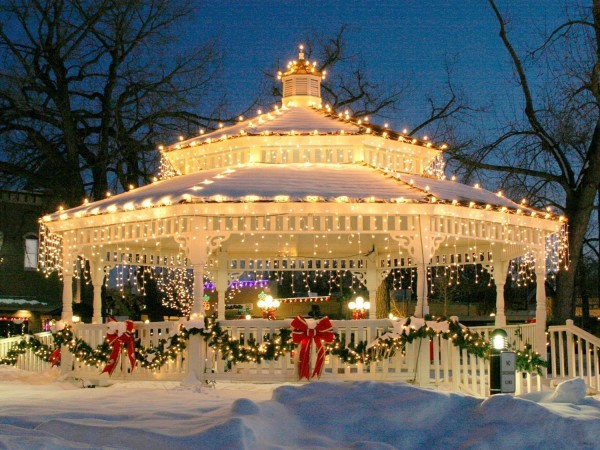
(300, 130)
(301, 134)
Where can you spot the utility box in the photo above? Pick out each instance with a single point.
(508, 366)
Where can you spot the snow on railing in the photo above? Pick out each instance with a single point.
(574, 353)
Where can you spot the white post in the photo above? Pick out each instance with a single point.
(500, 270)
(371, 281)
(97, 275)
(540, 305)
(422, 308)
(221, 285)
(67, 292)
(196, 358)
(198, 291)
(66, 363)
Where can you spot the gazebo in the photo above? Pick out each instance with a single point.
(302, 188)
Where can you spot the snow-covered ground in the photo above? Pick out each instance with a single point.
(40, 412)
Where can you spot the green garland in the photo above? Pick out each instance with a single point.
(273, 347)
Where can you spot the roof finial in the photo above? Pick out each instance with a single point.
(301, 53)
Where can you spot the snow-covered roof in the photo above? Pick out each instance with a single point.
(298, 119)
(289, 182)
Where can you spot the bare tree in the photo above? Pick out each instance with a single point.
(550, 151)
(88, 88)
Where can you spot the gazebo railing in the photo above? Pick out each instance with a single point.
(518, 335)
(574, 353)
(28, 360)
(435, 362)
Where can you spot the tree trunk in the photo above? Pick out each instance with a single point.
(583, 292)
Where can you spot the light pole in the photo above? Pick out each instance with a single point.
(268, 306)
(359, 308)
(502, 364)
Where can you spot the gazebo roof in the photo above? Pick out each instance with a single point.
(298, 119)
(291, 182)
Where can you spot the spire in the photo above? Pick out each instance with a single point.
(301, 82)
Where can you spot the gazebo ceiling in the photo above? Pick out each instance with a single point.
(291, 183)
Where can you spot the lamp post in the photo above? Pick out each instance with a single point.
(359, 308)
(502, 364)
(268, 305)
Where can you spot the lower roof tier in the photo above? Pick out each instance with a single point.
(292, 183)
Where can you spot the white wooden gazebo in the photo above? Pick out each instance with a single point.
(301, 188)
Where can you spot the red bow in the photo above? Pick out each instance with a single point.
(269, 314)
(55, 357)
(117, 340)
(305, 333)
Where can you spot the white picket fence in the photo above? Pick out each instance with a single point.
(435, 362)
(27, 361)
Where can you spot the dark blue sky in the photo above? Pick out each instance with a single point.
(400, 40)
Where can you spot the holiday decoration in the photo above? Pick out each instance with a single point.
(268, 305)
(305, 332)
(279, 344)
(359, 308)
(55, 357)
(120, 335)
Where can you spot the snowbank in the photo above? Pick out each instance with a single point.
(312, 415)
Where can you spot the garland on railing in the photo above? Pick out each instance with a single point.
(278, 344)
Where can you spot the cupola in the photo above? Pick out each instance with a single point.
(301, 82)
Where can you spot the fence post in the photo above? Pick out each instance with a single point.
(66, 361)
(196, 359)
(423, 364)
(570, 350)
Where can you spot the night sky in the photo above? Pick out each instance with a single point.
(401, 41)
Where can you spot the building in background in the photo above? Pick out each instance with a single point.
(26, 295)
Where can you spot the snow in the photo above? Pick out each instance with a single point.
(40, 411)
(19, 301)
(301, 119)
(297, 181)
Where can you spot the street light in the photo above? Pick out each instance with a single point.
(268, 306)
(359, 308)
(499, 339)
(502, 364)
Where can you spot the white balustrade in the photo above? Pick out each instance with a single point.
(439, 362)
(518, 335)
(574, 353)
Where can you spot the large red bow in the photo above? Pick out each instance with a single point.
(305, 332)
(117, 338)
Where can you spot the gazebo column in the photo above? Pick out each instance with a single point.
(500, 271)
(196, 252)
(67, 292)
(198, 291)
(422, 308)
(540, 304)
(97, 276)
(221, 284)
(371, 282)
